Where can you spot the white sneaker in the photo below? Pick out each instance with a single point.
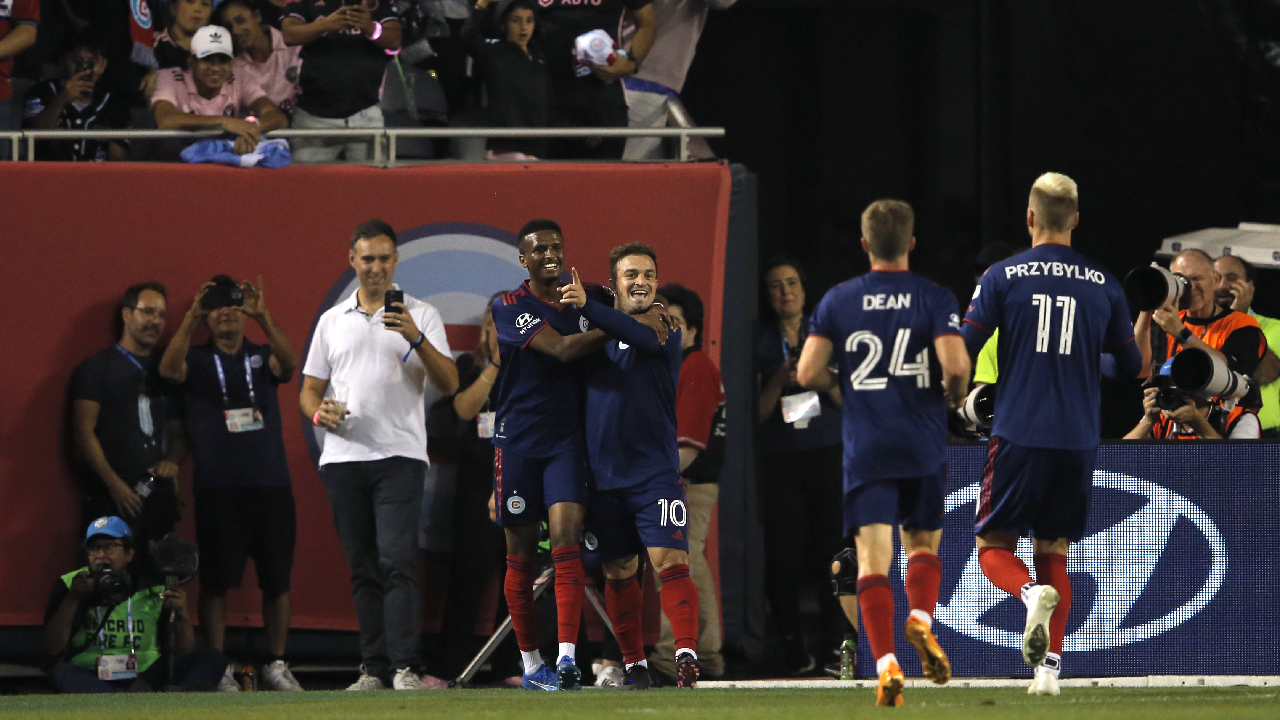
(228, 682)
(277, 676)
(1045, 683)
(367, 682)
(406, 679)
(1041, 600)
(611, 677)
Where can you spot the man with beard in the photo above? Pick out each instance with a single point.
(1235, 291)
(244, 502)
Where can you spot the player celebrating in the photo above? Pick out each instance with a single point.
(639, 499)
(540, 463)
(895, 429)
(1057, 312)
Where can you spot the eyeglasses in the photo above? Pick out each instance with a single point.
(151, 312)
(103, 547)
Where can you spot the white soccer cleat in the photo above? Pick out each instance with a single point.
(406, 679)
(228, 682)
(1041, 600)
(1044, 683)
(367, 682)
(277, 676)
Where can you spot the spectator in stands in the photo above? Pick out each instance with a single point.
(1195, 419)
(700, 435)
(243, 494)
(679, 25)
(208, 95)
(1235, 290)
(515, 77)
(78, 101)
(262, 55)
(128, 43)
(173, 44)
(378, 363)
(126, 422)
(801, 472)
(18, 22)
(122, 638)
(595, 99)
(344, 57)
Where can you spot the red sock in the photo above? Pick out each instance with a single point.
(571, 582)
(519, 592)
(680, 605)
(625, 604)
(875, 599)
(1004, 569)
(1051, 569)
(924, 575)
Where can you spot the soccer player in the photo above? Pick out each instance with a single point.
(639, 499)
(1057, 312)
(895, 428)
(540, 463)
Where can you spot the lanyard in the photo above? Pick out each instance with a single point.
(102, 634)
(133, 360)
(145, 421)
(786, 348)
(248, 378)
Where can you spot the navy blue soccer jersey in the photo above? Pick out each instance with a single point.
(1057, 312)
(539, 410)
(631, 402)
(882, 326)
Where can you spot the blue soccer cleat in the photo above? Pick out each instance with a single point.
(568, 676)
(544, 678)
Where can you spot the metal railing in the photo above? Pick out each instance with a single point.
(381, 136)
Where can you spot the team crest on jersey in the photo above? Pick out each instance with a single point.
(256, 361)
(582, 324)
(590, 542)
(515, 505)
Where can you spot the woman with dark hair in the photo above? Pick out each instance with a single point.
(514, 74)
(800, 471)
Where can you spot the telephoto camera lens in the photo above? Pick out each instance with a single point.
(979, 408)
(1152, 287)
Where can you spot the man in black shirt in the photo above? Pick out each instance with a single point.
(126, 424)
(596, 99)
(343, 61)
(78, 102)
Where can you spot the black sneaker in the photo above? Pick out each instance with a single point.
(687, 670)
(637, 678)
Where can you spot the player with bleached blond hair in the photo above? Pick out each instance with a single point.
(1057, 312)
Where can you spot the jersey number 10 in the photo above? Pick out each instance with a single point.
(1046, 304)
(898, 365)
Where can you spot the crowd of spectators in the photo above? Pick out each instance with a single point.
(325, 65)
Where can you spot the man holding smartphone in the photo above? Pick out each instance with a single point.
(78, 102)
(376, 351)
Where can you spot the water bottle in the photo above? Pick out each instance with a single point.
(248, 680)
(848, 658)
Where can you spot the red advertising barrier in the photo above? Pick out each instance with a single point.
(76, 235)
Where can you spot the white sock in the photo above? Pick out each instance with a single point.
(569, 650)
(1052, 663)
(532, 661)
(923, 617)
(642, 663)
(686, 651)
(1026, 590)
(884, 661)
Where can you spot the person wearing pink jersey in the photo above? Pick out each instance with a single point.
(261, 53)
(208, 95)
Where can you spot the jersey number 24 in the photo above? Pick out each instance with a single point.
(898, 365)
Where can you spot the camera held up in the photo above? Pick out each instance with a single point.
(1152, 287)
(979, 409)
(1196, 373)
(110, 587)
(224, 293)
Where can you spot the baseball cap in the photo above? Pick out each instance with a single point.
(211, 40)
(109, 525)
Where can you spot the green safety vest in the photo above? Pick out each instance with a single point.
(146, 606)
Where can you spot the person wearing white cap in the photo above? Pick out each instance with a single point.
(209, 95)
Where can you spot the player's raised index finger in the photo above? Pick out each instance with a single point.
(576, 281)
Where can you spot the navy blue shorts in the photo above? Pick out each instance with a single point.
(1035, 492)
(914, 503)
(525, 487)
(621, 523)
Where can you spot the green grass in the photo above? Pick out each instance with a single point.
(941, 704)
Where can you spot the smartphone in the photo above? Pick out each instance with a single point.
(393, 296)
(83, 65)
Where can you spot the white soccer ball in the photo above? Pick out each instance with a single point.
(597, 48)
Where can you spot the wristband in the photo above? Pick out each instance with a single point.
(377, 31)
(315, 419)
(422, 337)
(1184, 336)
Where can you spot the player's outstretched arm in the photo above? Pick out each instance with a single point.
(567, 348)
(812, 370)
(954, 359)
(621, 326)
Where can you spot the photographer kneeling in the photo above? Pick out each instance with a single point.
(107, 633)
(1195, 419)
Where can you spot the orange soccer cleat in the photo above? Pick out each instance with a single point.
(889, 691)
(933, 660)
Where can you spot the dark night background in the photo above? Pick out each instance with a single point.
(1166, 116)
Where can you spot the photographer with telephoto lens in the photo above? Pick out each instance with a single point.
(108, 632)
(244, 504)
(1194, 398)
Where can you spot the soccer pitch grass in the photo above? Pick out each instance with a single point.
(942, 703)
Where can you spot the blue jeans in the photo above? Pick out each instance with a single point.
(199, 670)
(375, 511)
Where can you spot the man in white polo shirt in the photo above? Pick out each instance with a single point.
(209, 95)
(374, 367)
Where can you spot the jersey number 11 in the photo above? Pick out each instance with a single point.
(1046, 304)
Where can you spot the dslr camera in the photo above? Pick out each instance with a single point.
(224, 293)
(110, 587)
(1199, 374)
(1152, 287)
(176, 559)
